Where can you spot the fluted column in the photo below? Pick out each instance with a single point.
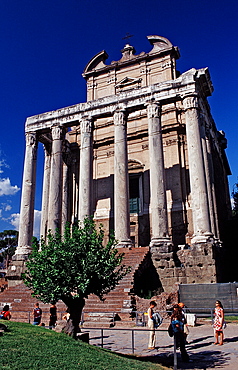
(65, 186)
(28, 196)
(158, 203)
(55, 192)
(208, 167)
(45, 193)
(121, 180)
(85, 171)
(201, 219)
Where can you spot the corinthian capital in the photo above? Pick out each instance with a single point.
(153, 109)
(190, 101)
(119, 117)
(31, 139)
(86, 125)
(56, 132)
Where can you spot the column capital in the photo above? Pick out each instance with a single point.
(86, 124)
(119, 116)
(56, 132)
(190, 101)
(31, 139)
(153, 108)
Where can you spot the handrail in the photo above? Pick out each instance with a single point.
(133, 338)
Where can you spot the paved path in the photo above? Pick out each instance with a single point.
(203, 353)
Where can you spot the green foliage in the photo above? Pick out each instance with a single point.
(75, 265)
(27, 347)
(235, 200)
(8, 242)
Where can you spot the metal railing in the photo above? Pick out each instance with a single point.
(133, 338)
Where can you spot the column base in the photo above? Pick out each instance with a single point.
(203, 238)
(18, 266)
(15, 271)
(165, 245)
(125, 244)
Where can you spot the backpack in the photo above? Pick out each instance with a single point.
(157, 318)
(170, 330)
(37, 312)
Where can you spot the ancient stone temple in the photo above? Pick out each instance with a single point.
(143, 156)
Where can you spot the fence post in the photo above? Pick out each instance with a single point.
(175, 355)
(29, 317)
(102, 338)
(132, 341)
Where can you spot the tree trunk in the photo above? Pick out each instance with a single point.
(75, 306)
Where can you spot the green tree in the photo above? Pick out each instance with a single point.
(71, 267)
(8, 244)
(235, 200)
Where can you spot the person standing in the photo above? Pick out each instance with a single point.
(37, 313)
(151, 325)
(53, 316)
(178, 330)
(218, 323)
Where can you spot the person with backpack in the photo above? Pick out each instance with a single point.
(177, 325)
(37, 313)
(151, 325)
(5, 313)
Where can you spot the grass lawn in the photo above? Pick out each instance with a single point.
(30, 347)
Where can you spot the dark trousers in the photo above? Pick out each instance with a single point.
(180, 342)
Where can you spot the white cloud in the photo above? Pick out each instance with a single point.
(15, 220)
(3, 164)
(8, 207)
(6, 188)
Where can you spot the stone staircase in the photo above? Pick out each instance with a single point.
(21, 304)
(118, 304)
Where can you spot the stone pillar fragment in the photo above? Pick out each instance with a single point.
(121, 180)
(201, 219)
(55, 192)
(85, 171)
(28, 197)
(158, 204)
(45, 194)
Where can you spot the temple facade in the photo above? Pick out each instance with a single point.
(143, 156)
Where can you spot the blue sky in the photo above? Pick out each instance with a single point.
(45, 45)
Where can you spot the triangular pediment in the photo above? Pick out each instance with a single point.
(127, 81)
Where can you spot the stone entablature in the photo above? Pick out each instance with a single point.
(131, 100)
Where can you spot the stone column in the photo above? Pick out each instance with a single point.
(45, 193)
(158, 203)
(208, 166)
(121, 181)
(65, 186)
(86, 168)
(201, 219)
(28, 197)
(55, 192)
